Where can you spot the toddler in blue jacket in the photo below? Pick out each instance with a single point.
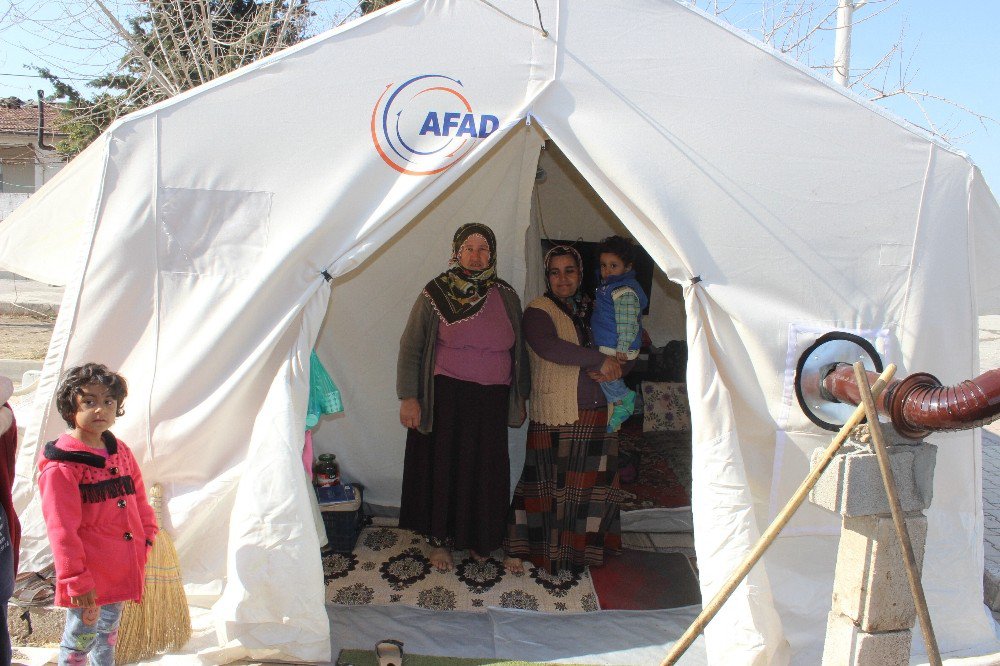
(617, 319)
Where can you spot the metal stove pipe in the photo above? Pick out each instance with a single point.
(921, 404)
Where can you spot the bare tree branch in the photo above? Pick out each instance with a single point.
(137, 52)
(800, 28)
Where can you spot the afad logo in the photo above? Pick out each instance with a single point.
(425, 125)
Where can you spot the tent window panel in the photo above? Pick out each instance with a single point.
(894, 254)
(211, 232)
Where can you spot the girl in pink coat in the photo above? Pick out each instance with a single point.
(100, 525)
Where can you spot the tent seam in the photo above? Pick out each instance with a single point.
(970, 264)
(155, 205)
(916, 237)
(977, 436)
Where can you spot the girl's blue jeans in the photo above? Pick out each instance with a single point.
(97, 640)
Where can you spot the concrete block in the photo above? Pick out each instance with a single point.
(991, 585)
(847, 645)
(40, 626)
(852, 483)
(870, 585)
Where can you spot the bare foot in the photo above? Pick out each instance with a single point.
(514, 565)
(477, 557)
(441, 559)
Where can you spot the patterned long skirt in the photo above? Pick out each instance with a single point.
(456, 480)
(565, 513)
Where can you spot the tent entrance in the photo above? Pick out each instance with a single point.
(566, 207)
(525, 195)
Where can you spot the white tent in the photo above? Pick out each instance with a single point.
(192, 237)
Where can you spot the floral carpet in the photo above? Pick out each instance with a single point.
(391, 566)
(655, 467)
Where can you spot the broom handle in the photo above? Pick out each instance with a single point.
(912, 575)
(155, 497)
(779, 522)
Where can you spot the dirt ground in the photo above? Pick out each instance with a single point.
(23, 337)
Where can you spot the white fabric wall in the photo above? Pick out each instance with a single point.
(43, 240)
(789, 222)
(197, 280)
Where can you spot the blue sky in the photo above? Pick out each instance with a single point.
(951, 48)
(957, 56)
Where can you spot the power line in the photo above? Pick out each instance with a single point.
(39, 76)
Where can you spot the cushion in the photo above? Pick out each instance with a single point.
(665, 407)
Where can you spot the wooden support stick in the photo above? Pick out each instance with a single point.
(769, 535)
(912, 575)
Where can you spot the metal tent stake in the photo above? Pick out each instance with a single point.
(912, 575)
(768, 537)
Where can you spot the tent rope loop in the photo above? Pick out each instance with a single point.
(326, 275)
(695, 280)
(545, 33)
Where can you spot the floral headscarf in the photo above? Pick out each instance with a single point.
(458, 293)
(579, 306)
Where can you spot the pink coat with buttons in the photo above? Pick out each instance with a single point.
(100, 524)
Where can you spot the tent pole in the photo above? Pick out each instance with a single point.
(912, 575)
(779, 522)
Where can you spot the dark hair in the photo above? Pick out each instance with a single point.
(83, 375)
(623, 248)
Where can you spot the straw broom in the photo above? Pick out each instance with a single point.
(162, 621)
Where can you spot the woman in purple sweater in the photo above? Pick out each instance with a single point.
(462, 379)
(565, 515)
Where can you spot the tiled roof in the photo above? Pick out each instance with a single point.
(25, 119)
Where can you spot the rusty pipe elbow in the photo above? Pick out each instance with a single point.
(921, 404)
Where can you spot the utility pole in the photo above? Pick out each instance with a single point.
(842, 44)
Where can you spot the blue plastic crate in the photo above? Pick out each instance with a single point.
(343, 521)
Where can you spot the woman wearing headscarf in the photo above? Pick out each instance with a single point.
(565, 515)
(462, 379)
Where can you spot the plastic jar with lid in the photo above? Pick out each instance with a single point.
(326, 471)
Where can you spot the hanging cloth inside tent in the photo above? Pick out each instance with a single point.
(324, 396)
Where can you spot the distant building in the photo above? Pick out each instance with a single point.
(24, 165)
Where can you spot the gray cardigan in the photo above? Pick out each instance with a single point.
(415, 365)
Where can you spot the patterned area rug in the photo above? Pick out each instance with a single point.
(662, 467)
(391, 566)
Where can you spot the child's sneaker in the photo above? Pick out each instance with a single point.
(628, 402)
(621, 412)
(618, 416)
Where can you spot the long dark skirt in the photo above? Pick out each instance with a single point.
(566, 510)
(456, 480)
